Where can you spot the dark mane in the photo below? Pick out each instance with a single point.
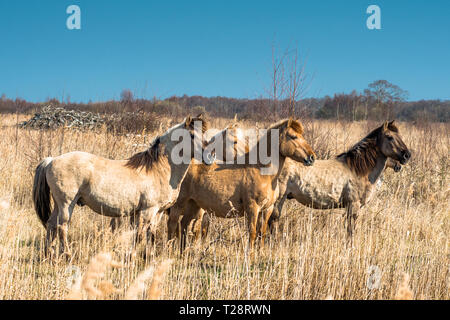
(193, 120)
(362, 157)
(145, 159)
(392, 127)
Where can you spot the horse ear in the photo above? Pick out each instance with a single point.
(200, 116)
(385, 125)
(301, 126)
(188, 121)
(391, 123)
(235, 118)
(289, 122)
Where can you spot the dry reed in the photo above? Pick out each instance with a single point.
(406, 229)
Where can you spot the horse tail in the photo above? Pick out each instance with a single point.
(41, 191)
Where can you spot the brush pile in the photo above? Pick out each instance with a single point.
(53, 117)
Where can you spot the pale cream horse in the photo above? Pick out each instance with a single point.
(239, 189)
(146, 184)
(348, 181)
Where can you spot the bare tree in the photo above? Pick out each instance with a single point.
(385, 97)
(277, 81)
(126, 96)
(296, 82)
(288, 81)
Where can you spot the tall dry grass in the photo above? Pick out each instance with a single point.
(405, 230)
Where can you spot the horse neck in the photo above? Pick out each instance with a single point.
(376, 172)
(175, 173)
(256, 149)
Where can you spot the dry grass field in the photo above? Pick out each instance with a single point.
(400, 248)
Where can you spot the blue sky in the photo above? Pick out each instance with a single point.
(211, 48)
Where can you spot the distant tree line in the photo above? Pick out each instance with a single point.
(380, 101)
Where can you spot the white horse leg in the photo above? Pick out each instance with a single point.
(64, 215)
(58, 225)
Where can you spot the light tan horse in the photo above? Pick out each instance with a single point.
(144, 185)
(234, 143)
(349, 181)
(229, 190)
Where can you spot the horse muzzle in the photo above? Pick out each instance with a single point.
(309, 161)
(406, 155)
(209, 158)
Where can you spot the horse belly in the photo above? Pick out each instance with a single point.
(220, 202)
(112, 202)
(321, 197)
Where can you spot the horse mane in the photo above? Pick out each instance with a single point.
(392, 127)
(145, 158)
(191, 123)
(233, 126)
(293, 124)
(362, 157)
(148, 157)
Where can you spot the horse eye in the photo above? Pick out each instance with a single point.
(292, 137)
(390, 138)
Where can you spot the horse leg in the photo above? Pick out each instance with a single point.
(274, 219)
(173, 226)
(58, 225)
(192, 211)
(147, 223)
(197, 226)
(252, 221)
(52, 226)
(137, 225)
(115, 224)
(205, 225)
(352, 214)
(65, 213)
(153, 225)
(264, 217)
